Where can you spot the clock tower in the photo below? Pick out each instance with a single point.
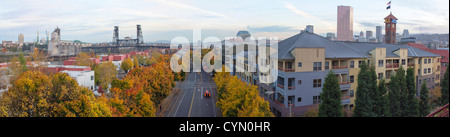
(391, 29)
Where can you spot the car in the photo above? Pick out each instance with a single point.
(207, 93)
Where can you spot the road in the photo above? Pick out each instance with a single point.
(189, 100)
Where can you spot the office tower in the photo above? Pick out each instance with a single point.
(405, 33)
(345, 23)
(379, 33)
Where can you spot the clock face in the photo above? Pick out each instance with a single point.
(390, 21)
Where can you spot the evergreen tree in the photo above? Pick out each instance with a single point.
(381, 102)
(424, 106)
(331, 97)
(394, 97)
(23, 62)
(444, 88)
(364, 102)
(411, 104)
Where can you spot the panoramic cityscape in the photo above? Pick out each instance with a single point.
(268, 58)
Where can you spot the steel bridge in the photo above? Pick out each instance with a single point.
(116, 49)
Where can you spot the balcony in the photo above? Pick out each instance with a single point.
(286, 70)
(411, 64)
(289, 70)
(280, 86)
(392, 65)
(345, 100)
(344, 83)
(339, 67)
(291, 88)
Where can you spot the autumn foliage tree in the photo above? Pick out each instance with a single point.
(237, 99)
(84, 59)
(127, 65)
(104, 74)
(35, 94)
(142, 89)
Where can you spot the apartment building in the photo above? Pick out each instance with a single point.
(305, 59)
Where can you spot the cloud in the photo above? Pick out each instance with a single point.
(297, 11)
(275, 28)
(177, 5)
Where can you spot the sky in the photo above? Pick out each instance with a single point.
(94, 20)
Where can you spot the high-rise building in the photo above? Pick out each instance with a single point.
(379, 33)
(345, 23)
(20, 39)
(390, 29)
(405, 33)
(369, 34)
(331, 36)
(309, 28)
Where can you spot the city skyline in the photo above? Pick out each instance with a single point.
(163, 20)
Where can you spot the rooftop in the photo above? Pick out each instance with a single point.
(340, 49)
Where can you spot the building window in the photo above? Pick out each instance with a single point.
(380, 63)
(317, 83)
(437, 76)
(317, 66)
(327, 65)
(352, 93)
(380, 75)
(291, 99)
(316, 100)
(403, 61)
(418, 71)
(420, 81)
(299, 99)
(92, 77)
(429, 61)
(424, 71)
(420, 61)
(425, 61)
(352, 64)
(429, 70)
(300, 64)
(299, 82)
(352, 79)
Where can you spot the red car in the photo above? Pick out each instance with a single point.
(207, 93)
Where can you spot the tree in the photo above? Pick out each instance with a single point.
(135, 62)
(237, 99)
(331, 97)
(312, 112)
(435, 96)
(398, 94)
(14, 69)
(364, 102)
(23, 62)
(155, 55)
(38, 60)
(105, 73)
(444, 88)
(424, 108)
(411, 104)
(35, 94)
(127, 65)
(83, 59)
(381, 102)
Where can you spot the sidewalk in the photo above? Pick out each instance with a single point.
(160, 110)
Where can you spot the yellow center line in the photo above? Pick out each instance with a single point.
(192, 102)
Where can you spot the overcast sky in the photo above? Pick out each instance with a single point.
(94, 20)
